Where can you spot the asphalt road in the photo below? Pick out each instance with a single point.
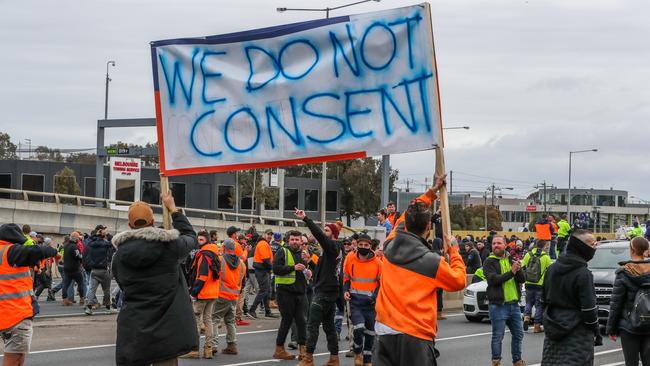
(89, 341)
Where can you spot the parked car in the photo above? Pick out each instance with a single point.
(475, 302)
(603, 266)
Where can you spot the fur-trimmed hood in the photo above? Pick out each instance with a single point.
(143, 248)
(148, 234)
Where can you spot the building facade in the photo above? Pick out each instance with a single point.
(204, 191)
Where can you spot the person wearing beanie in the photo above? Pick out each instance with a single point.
(230, 280)
(327, 283)
(156, 324)
(361, 275)
(204, 290)
(15, 288)
(571, 315)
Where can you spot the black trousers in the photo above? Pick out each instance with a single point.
(67, 282)
(635, 348)
(262, 297)
(321, 311)
(292, 308)
(403, 349)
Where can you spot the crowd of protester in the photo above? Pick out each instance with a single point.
(389, 293)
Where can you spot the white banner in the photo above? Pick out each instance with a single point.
(329, 89)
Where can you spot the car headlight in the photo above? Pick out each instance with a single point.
(469, 293)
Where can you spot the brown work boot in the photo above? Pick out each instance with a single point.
(67, 302)
(302, 350)
(367, 364)
(193, 354)
(333, 361)
(307, 360)
(81, 301)
(538, 328)
(519, 363)
(231, 349)
(207, 352)
(441, 316)
(358, 359)
(496, 362)
(273, 304)
(281, 354)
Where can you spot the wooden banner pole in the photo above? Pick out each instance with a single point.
(164, 188)
(440, 154)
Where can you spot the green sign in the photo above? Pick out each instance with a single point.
(117, 151)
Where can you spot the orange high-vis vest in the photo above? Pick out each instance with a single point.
(230, 281)
(262, 252)
(543, 231)
(15, 291)
(364, 275)
(210, 288)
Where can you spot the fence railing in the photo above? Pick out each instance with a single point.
(61, 198)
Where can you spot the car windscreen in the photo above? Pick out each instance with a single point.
(609, 257)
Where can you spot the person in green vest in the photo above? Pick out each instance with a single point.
(504, 277)
(27, 233)
(635, 232)
(535, 264)
(478, 275)
(563, 231)
(291, 276)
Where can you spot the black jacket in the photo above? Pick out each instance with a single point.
(327, 274)
(280, 268)
(495, 279)
(20, 255)
(157, 321)
(569, 296)
(71, 257)
(98, 253)
(485, 253)
(629, 278)
(473, 261)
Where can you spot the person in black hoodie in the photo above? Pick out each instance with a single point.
(99, 252)
(156, 323)
(630, 278)
(473, 261)
(72, 267)
(17, 309)
(290, 267)
(571, 315)
(327, 283)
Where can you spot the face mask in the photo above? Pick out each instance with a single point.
(363, 251)
(578, 247)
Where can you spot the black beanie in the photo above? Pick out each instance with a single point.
(579, 248)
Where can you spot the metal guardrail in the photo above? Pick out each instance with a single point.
(61, 198)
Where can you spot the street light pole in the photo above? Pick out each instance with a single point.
(108, 79)
(568, 203)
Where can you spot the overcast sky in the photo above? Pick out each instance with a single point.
(534, 79)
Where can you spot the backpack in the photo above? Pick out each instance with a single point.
(640, 314)
(214, 266)
(534, 267)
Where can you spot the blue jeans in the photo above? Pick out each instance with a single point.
(534, 298)
(501, 316)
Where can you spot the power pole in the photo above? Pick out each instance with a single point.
(451, 182)
(543, 187)
(485, 209)
(492, 187)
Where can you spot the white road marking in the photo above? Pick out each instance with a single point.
(600, 354)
